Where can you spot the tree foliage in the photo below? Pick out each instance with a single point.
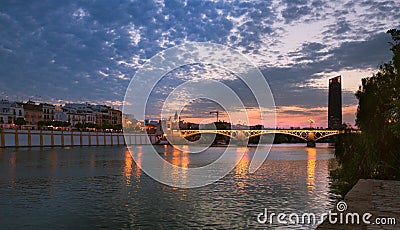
(376, 152)
(54, 123)
(20, 121)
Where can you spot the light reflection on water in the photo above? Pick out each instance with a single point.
(92, 187)
(311, 161)
(128, 167)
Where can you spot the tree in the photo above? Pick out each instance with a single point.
(20, 121)
(373, 153)
(54, 123)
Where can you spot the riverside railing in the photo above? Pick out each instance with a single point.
(49, 138)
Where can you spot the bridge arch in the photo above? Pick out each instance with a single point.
(231, 134)
(300, 136)
(326, 135)
(308, 135)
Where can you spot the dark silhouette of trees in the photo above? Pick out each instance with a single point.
(54, 123)
(376, 152)
(20, 121)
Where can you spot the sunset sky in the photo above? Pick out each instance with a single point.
(88, 51)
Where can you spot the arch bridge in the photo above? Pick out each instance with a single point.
(311, 136)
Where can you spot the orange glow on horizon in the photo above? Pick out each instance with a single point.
(287, 116)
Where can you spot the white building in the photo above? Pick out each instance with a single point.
(80, 113)
(60, 114)
(5, 112)
(10, 111)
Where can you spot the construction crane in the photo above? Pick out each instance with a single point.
(217, 112)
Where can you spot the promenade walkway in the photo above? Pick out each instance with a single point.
(381, 198)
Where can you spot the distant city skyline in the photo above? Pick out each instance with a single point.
(66, 52)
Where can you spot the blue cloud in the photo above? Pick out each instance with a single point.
(88, 50)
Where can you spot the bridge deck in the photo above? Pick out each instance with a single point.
(305, 134)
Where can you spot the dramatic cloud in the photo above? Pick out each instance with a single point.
(89, 50)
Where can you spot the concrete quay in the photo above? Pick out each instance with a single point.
(381, 198)
(49, 138)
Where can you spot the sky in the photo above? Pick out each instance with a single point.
(88, 51)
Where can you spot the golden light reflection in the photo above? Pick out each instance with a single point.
(178, 157)
(311, 161)
(185, 157)
(128, 167)
(242, 167)
(175, 157)
(175, 161)
(138, 162)
(185, 166)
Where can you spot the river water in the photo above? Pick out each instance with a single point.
(101, 187)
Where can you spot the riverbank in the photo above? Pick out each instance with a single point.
(378, 197)
(50, 138)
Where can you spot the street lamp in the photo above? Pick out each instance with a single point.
(311, 122)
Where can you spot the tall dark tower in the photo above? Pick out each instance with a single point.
(335, 103)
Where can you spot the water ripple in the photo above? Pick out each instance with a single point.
(102, 188)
